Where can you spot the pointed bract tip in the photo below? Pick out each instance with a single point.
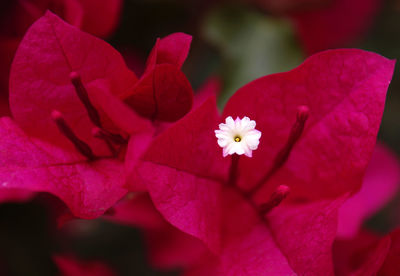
(48, 13)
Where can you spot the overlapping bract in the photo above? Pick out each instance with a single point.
(182, 167)
(163, 92)
(368, 254)
(17, 16)
(35, 154)
(185, 174)
(381, 182)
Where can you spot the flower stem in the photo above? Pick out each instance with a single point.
(233, 171)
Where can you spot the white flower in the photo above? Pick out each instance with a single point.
(238, 136)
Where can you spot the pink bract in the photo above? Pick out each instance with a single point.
(381, 182)
(168, 248)
(184, 172)
(36, 153)
(391, 265)
(345, 91)
(99, 20)
(37, 87)
(368, 254)
(364, 254)
(30, 164)
(295, 240)
(163, 92)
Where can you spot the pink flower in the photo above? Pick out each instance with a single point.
(358, 251)
(391, 265)
(364, 254)
(70, 129)
(167, 247)
(71, 126)
(163, 92)
(276, 212)
(368, 254)
(381, 182)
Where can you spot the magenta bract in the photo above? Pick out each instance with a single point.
(342, 93)
(71, 129)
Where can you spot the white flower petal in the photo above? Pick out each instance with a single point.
(223, 142)
(242, 128)
(230, 122)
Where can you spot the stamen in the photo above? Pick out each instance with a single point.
(62, 125)
(92, 111)
(276, 198)
(98, 133)
(106, 135)
(84, 97)
(280, 159)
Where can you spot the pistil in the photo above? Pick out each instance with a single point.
(98, 133)
(92, 112)
(113, 138)
(282, 156)
(84, 97)
(66, 130)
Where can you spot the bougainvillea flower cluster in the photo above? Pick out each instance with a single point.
(171, 248)
(88, 130)
(277, 211)
(71, 125)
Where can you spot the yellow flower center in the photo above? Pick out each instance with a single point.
(237, 139)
